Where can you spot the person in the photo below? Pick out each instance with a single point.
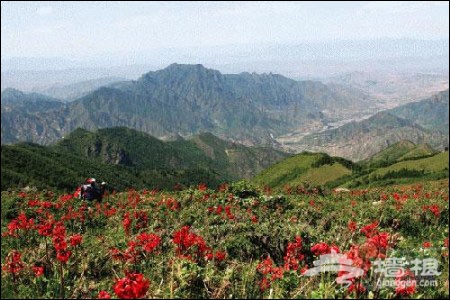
(89, 190)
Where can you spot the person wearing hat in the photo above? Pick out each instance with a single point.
(90, 192)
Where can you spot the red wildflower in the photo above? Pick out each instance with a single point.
(38, 270)
(63, 255)
(141, 218)
(126, 223)
(293, 254)
(149, 241)
(265, 267)
(24, 223)
(435, 210)
(277, 273)
(116, 254)
(172, 204)
(220, 255)
(103, 295)
(12, 227)
(33, 203)
(380, 240)
(65, 198)
(187, 240)
(21, 222)
(228, 212)
(356, 287)
(59, 229)
(209, 256)
(370, 250)
(46, 204)
(352, 226)
(59, 242)
(132, 286)
(76, 240)
(427, 244)
(223, 187)
(265, 284)
(405, 283)
(45, 228)
(303, 270)
(13, 262)
(320, 248)
(202, 187)
(370, 230)
(109, 212)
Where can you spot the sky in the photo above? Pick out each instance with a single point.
(89, 29)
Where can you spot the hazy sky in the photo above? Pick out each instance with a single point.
(76, 29)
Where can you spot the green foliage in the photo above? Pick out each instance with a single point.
(243, 189)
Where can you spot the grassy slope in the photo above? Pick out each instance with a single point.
(393, 152)
(306, 168)
(322, 175)
(431, 164)
(300, 169)
(419, 151)
(404, 172)
(286, 170)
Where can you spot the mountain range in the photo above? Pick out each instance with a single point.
(251, 109)
(420, 122)
(127, 158)
(186, 100)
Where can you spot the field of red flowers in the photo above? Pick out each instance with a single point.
(236, 242)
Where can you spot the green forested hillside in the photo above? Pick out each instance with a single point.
(42, 167)
(125, 158)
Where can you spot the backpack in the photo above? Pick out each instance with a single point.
(88, 192)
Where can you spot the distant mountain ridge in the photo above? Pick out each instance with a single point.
(421, 122)
(431, 113)
(189, 99)
(77, 90)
